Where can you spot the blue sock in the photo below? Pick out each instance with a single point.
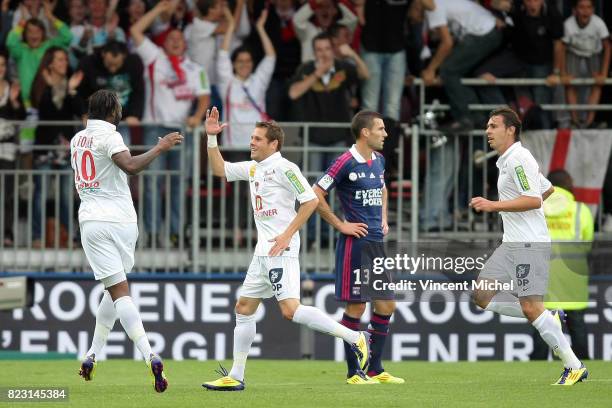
(378, 329)
(351, 360)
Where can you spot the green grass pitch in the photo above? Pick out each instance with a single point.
(292, 384)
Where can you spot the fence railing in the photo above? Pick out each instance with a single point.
(216, 231)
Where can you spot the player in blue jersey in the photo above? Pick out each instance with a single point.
(358, 175)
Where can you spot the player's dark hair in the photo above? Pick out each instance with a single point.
(204, 5)
(273, 132)
(363, 120)
(103, 105)
(115, 47)
(561, 178)
(321, 36)
(510, 118)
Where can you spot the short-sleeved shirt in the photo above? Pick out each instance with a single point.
(360, 184)
(101, 184)
(585, 41)
(462, 17)
(275, 184)
(168, 98)
(519, 175)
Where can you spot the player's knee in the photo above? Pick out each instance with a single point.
(288, 313)
(243, 308)
(532, 310)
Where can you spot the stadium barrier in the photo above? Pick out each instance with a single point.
(189, 317)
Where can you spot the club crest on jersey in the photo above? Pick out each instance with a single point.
(252, 171)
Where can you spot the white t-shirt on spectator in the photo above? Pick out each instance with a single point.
(167, 99)
(242, 113)
(101, 184)
(462, 17)
(585, 42)
(306, 30)
(202, 45)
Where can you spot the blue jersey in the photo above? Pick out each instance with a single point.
(360, 186)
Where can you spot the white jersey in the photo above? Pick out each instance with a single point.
(462, 17)
(275, 184)
(101, 184)
(519, 175)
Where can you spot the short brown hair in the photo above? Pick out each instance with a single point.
(273, 132)
(363, 120)
(510, 118)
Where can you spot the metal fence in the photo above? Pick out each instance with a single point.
(216, 231)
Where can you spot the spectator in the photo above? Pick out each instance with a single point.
(383, 50)
(102, 27)
(536, 40)
(201, 36)
(28, 42)
(588, 55)
(173, 82)
(134, 12)
(279, 27)
(242, 89)
(34, 9)
(570, 224)
(179, 18)
(7, 20)
(54, 95)
(477, 37)
(11, 108)
(317, 16)
(114, 68)
(320, 91)
(81, 32)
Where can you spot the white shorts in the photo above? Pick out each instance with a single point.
(269, 276)
(109, 247)
(524, 264)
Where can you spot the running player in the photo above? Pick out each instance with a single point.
(359, 175)
(107, 219)
(523, 257)
(275, 184)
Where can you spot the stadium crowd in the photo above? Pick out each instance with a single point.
(315, 61)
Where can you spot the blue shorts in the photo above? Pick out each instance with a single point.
(354, 267)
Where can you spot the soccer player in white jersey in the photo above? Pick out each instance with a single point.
(523, 257)
(275, 184)
(107, 219)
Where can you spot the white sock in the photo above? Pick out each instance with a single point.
(553, 336)
(105, 320)
(244, 333)
(132, 324)
(315, 319)
(506, 304)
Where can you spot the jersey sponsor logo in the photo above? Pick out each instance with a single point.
(522, 270)
(263, 214)
(520, 173)
(276, 275)
(295, 181)
(370, 197)
(252, 171)
(352, 176)
(326, 181)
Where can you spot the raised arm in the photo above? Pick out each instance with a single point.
(139, 28)
(300, 87)
(133, 165)
(263, 36)
(229, 30)
(213, 128)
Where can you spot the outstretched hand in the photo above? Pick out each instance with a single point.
(170, 140)
(212, 125)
